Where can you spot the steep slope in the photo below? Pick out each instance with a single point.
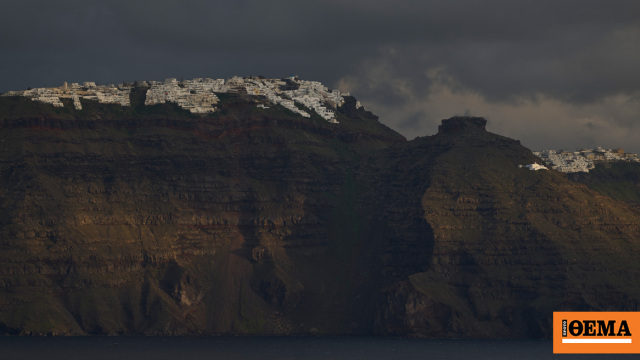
(152, 220)
(618, 180)
(508, 246)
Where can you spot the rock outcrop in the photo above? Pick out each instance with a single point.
(508, 246)
(462, 125)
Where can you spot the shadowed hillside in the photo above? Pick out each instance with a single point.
(151, 220)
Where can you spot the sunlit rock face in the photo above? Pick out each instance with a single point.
(256, 220)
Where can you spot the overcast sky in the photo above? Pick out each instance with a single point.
(553, 74)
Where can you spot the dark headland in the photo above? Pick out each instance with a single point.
(150, 219)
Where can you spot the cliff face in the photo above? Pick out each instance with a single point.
(255, 221)
(509, 245)
(232, 224)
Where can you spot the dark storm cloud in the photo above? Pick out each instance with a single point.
(398, 56)
(575, 49)
(50, 42)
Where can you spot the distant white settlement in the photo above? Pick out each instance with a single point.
(584, 159)
(199, 95)
(88, 90)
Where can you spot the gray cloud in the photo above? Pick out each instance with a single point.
(412, 62)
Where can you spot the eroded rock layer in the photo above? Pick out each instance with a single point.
(150, 220)
(509, 246)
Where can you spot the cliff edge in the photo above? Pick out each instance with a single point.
(152, 220)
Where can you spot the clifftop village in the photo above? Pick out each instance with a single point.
(582, 160)
(199, 95)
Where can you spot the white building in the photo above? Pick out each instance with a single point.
(582, 160)
(199, 95)
(536, 167)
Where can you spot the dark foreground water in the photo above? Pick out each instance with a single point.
(267, 348)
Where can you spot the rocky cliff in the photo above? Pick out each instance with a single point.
(151, 220)
(509, 246)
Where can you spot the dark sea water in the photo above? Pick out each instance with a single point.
(258, 348)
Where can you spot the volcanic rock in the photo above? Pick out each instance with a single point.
(150, 220)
